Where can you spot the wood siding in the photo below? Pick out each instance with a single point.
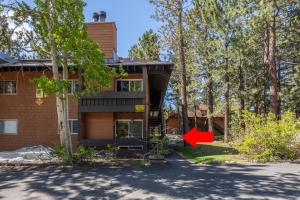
(98, 125)
(36, 125)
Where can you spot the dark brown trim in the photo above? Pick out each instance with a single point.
(113, 94)
(114, 108)
(146, 103)
(111, 101)
(118, 142)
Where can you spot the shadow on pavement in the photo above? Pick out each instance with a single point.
(178, 179)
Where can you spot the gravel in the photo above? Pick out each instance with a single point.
(34, 153)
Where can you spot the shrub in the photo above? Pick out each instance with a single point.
(268, 139)
(84, 154)
(112, 151)
(81, 155)
(160, 145)
(60, 152)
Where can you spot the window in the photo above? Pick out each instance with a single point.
(122, 129)
(39, 93)
(74, 126)
(8, 126)
(129, 128)
(136, 129)
(8, 87)
(134, 85)
(74, 86)
(122, 86)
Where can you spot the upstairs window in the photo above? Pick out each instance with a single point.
(74, 86)
(8, 87)
(127, 85)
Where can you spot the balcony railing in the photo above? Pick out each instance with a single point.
(111, 102)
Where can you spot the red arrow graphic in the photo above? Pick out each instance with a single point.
(193, 137)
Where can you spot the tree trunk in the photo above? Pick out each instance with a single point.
(241, 91)
(226, 95)
(195, 113)
(65, 99)
(210, 101)
(264, 101)
(279, 88)
(183, 94)
(178, 117)
(271, 28)
(60, 104)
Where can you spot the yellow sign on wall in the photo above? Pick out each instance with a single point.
(139, 108)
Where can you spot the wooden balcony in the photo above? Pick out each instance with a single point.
(112, 102)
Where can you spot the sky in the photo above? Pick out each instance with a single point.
(132, 18)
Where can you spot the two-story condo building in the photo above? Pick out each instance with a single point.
(122, 114)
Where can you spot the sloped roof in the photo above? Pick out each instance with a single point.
(109, 62)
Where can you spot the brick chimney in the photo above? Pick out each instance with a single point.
(104, 33)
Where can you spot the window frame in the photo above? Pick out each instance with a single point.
(71, 127)
(4, 87)
(70, 119)
(73, 89)
(5, 133)
(130, 80)
(128, 120)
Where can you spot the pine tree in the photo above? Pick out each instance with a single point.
(171, 13)
(148, 47)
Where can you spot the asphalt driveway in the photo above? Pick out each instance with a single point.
(176, 180)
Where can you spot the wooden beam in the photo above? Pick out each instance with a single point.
(146, 103)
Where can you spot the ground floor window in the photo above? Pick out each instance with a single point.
(74, 126)
(8, 126)
(129, 128)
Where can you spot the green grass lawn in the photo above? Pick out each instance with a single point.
(216, 152)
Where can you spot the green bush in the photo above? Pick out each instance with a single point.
(81, 155)
(112, 151)
(160, 145)
(60, 152)
(268, 139)
(84, 154)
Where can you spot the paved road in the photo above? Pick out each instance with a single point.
(177, 180)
